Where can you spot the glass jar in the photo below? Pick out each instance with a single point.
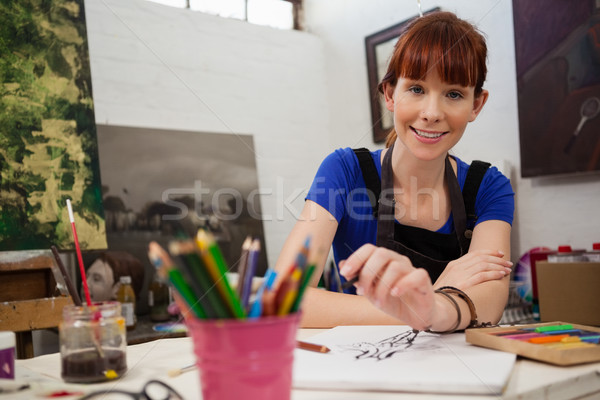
(93, 344)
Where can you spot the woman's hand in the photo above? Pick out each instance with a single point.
(390, 281)
(474, 268)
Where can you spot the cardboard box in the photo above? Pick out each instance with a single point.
(569, 292)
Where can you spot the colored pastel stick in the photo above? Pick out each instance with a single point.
(524, 336)
(565, 346)
(243, 265)
(507, 333)
(305, 281)
(256, 309)
(563, 331)
(570, 339)
(217, 267)
(291, 292)
(551, 328)
(253, 254)
(591, 339)
(547, 339)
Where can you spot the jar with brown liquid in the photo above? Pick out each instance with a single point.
(92, 343)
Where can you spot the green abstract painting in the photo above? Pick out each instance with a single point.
(48, 146)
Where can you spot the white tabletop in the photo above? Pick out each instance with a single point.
(153, 360)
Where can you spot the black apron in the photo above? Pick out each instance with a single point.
(413, 242)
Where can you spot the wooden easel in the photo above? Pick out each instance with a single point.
(32, 295)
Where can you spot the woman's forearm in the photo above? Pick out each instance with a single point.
(323, 309)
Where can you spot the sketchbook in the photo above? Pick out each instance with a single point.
(391, 358)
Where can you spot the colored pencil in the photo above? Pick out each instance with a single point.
(196, 276)
(291, 291)
(216, 266)
(257, 306)
(312, 347)
(304, 283)
(253, 254)
(161, 260)
(242, 267)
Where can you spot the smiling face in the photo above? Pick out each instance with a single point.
(430, 115)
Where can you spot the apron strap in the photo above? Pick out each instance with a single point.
(370, 176)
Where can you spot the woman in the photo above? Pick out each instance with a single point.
(414, 241)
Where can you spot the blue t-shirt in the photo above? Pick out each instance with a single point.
(339, 187)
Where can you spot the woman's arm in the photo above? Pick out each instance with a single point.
(393, 284)
(323, 309)
(488, 296)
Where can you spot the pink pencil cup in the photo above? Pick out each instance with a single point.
(245, 359)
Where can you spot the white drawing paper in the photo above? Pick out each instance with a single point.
(393, 358)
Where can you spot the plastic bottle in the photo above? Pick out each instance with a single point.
(566, 254)
(158, 299)
(594, 255)
(126, 296)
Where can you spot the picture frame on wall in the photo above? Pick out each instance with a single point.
(379, 47)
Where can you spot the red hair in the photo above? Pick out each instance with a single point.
(439, 40)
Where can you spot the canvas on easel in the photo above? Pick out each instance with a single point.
(48, 149)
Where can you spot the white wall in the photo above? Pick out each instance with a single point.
(550, 211)
(303, 94)
(162, 67)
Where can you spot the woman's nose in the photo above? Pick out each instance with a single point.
(432, 111)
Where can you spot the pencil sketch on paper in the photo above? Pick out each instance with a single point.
(386, 348)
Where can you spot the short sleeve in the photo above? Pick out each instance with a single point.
(495, 199)
(334, 179)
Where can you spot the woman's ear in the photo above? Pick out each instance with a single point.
(388, 93)
(478, 104)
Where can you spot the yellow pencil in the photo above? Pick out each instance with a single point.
(216, 266)
(292, 291)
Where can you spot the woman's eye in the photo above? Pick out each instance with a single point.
(416, 89)
(455, 95)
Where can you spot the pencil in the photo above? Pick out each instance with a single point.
(242, 267)
(348, 284)
(195, 273)
(257, 306)
(312, 347)
(216, 266)
(305, 282)
(186, 300)
(291, 291)
(253, 254)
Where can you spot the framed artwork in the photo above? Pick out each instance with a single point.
(159, 184)
(48, 148)
(379, 47)
(557, 46)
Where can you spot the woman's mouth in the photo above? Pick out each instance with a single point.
(428, 134)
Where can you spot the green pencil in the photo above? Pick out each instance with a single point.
(303, 285)
(186, 293)
(197, 277)
(217, 267)
(211, 288)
